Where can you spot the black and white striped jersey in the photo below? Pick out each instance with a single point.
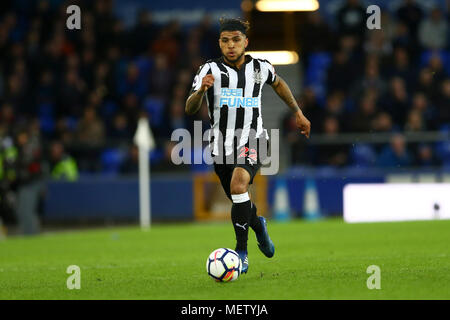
(234, 101)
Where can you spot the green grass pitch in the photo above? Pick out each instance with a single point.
(318, 260)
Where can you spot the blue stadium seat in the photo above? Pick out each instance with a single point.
(317, 67)
(47, 124)
(72, 123)
(444, 55)
(144, 64)
(321, 59)
(443, 152)
(445, 128)
(111, 160)
(108, 109)
(46, 119)
(349, 105)
(156, 155)
(363, 155)
(316, 73)
(45, 109)
(155, 108)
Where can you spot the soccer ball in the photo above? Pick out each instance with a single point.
(224, 265)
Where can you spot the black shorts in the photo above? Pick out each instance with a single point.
(225, 171)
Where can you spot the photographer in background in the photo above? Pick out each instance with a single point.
(29, 180)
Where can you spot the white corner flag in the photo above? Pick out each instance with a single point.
(146, 143)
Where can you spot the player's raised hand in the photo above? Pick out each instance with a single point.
(303, 123)
(207, 82)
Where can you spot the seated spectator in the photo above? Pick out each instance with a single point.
(298, 145)
(104, 80)
(62, 166)
(176, 115)
(208, 37)
(334, 154)
(415, 121)
(131, 164)
(7, 116)
(341, 72)
(363, 119)
(64, 132)
(120, 129)
(317, 36)
(400, 67)
(72, 94)
(134, 82)
(46, 89)
(410, 14)
(131, 107)
(334, 106)
(89, 138)
(427, 83)
(192, 46)
(15, 93)
(90, 130)
(371, 80)
(421, 104)
(310, 107)
(436, 66)
(425, 157)
(396, 154)
(433, 31)
(403, 38)
(396, 101)
(378, 43)
(161, 77)
(143, 33)
(443, 104)
(383, 123)
(167, 43)
(352, 18)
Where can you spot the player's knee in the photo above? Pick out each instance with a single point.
(239, 181)
(238, 187)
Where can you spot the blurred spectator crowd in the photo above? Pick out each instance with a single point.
(70, 99)
(84, 90)
(392, 80)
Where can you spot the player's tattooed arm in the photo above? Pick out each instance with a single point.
(284, 92)
(194, 102)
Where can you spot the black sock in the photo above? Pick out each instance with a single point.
(240, 216)
(255, 223)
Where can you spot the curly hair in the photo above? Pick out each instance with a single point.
(233, 24)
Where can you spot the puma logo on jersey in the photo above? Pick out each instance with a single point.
(242, 226)
(226, 74)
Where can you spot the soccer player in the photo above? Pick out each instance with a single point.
(232, 85)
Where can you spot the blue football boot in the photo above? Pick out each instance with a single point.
(244, 260)
(264, 243)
